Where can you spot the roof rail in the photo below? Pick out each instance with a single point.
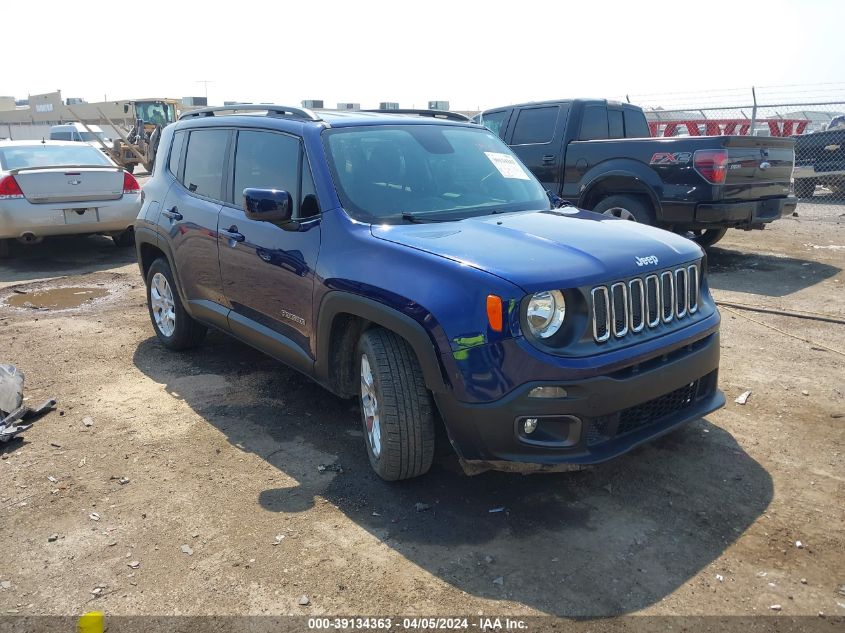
(270, 109)
(436, 114)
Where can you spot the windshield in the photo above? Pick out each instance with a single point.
(91, 136)
(427, 172)
(51, 156)
(155, 112)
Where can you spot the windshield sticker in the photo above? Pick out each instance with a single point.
(507, 165)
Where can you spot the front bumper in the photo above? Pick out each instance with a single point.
(19, 217)
(751, 214)
(600, 417)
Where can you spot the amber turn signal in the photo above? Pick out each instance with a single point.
(494, 312)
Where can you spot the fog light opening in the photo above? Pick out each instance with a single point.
(530, 426)
(547, 392)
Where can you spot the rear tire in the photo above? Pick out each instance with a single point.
(127, 238)
(173, 326)
(397, 411)
(626, 207)
(705, 238)
(805, 187)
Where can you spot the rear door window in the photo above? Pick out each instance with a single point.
(266, 160)
(635, 124)
(616, 128)
(204, 162)
(535, 125)
(593, 123)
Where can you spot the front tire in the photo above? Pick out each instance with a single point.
(397, 411)
(626, 207)
(173, 326)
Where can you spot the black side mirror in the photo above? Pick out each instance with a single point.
(125, 108)
(268, 205)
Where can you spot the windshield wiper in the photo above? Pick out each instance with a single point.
(415, 219)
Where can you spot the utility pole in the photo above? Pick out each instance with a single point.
(205, 82)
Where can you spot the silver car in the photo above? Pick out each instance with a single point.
(63, 188)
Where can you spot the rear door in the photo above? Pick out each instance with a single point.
(268, 269)
(594, 126)
(190, 214)
(535, 136)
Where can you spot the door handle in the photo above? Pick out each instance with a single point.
(549, 159)
(172, 213)
(233, 234)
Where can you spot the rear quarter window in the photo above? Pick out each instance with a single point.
(176, 153)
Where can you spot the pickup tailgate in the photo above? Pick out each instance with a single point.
(758, 166)
(75, 184)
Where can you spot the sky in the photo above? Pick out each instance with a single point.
(473, 54)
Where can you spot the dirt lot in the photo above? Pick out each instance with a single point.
(227, 512)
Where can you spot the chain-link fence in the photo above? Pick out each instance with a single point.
(813, 115)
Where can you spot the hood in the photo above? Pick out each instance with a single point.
(539, 250)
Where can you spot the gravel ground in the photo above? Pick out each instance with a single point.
(227, 509)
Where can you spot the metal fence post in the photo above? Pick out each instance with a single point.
(752, 131)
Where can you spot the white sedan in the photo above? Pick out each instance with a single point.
(63, 188)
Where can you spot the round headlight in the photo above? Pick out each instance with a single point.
(546, 311)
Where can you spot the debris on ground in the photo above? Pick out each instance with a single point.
(494, 510)
(743, 397)
(499, 581)
(304, 601)
(332, 468)
(94, 516)
(421, 507)
(186, 549)
(279, 539)
(775, 607)
(134, 564)
(799, 544)
(12, 409)
(52, 538)
(804, 392)
(5, 584)
(88, 421)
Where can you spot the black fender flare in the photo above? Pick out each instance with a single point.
(338, 302)
(146, 235)
(636, 172)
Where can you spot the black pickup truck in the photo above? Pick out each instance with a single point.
(598, 155)
(820, 160)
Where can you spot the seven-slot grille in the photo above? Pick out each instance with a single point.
(622, 308)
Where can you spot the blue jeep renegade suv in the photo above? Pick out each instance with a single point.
(414, 262)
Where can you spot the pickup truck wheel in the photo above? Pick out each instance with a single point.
(805, 187)
(173, 326)
(706, 237)
(626, 208)
(397, 411)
